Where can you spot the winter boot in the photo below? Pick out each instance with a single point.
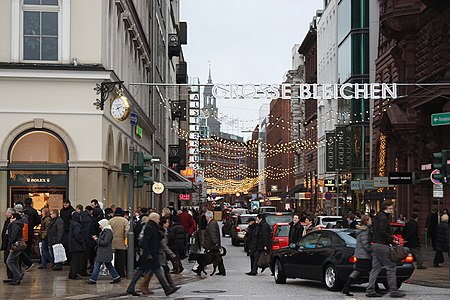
(143, 286)
(170, 280)
(346, 288)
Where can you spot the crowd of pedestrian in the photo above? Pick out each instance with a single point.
(91, 237)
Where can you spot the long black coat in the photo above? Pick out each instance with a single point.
(442, 238)
(411, 234)
(33, 219)
(66, 216)
(5, 235)
(14, 233)
(149, 259)
(177, 237)
(87, 229)
(295, 232)
(251, 238)
(264, 236)
(76, 240)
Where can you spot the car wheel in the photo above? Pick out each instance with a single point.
(278, 273)
(331, 279)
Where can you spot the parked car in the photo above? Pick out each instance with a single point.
(326, 221)
(239, 228)
(266, 209)
(328, 256)
(279, 217)
(280, 235)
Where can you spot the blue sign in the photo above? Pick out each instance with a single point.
(328, 195)
(133, 119)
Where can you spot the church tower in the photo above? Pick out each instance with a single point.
(210, 109)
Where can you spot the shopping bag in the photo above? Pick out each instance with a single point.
(59, 253)
(264, 260)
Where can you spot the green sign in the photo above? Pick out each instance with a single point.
(440, 119)
(139, 131)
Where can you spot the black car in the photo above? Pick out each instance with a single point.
(328, 256)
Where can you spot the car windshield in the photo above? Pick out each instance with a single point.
(282, 231)
(275, 218)
(349, 236)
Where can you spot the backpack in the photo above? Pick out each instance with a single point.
(25, 228)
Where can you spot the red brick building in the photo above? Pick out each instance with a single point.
(414, 44)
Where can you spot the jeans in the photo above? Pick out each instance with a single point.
(46, 257)
(13, 264)
(381, 258)
(109, 266)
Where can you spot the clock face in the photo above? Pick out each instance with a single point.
(120, 108)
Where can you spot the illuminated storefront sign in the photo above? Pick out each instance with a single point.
(194, 132)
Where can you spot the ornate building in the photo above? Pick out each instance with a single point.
(414, 43)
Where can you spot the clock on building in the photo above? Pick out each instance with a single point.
(120, 108)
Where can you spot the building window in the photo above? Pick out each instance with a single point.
(40, 30)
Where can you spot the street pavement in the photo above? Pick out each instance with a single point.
(47, 284)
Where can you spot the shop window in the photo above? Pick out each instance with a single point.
(38, 147)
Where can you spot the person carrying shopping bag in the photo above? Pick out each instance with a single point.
(104, 253)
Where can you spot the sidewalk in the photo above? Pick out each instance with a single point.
(431, 276)
(48, 284)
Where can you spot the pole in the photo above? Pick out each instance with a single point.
(337, 193)
(130, 253)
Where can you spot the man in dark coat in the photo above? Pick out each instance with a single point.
(251, 242)
(431, 226)
(411, 236)
(97, 215)
(77, 246)
(149, 262)
(295, 230)
(5, 233)
(212, 239)
(66, 215)
(442, 241)
(382, 238)
(55, 235)
(264, 243)
(87, 230)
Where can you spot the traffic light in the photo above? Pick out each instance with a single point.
(143, 169)
(441, 165)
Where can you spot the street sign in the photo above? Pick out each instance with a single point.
(380, 182)
(328, 195)
(438, 191)
(158, 188)
(426, 167)
(440, 119)
(435, 181)
(366, 184)
(354, 185)
(400, 178)
(133, 119)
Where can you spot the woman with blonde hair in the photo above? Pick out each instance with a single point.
(43, 235)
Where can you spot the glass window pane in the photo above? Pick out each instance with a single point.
(344, 19)
(49, 48)
(49, 2)
(344, 60)
(31, 47)
(31, 2)
(50, 23)
(31, 23)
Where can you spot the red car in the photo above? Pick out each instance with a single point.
(280, 235)
(397, 230)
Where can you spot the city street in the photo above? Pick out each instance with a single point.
(237, 285)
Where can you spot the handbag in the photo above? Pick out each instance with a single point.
(18, 246)
(397, 253)
(264, 260)
(59, 253)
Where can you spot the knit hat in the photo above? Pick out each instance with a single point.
(18, 208)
